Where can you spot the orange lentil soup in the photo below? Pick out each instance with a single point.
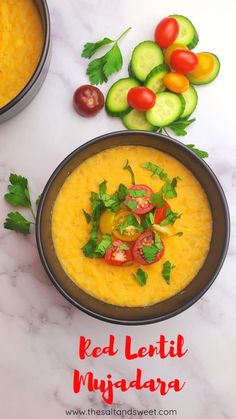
(21, 42)
(117, 285)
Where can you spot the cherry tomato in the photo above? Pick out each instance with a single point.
(146, 239)
(117, 256)
(107, 222)
(88, 100)
(143, 204)
(170, 49)
(166, 32)
(131, 233)
(160, 213)
(176, 82)
(205, 65)
(183, 61)
(141, 98)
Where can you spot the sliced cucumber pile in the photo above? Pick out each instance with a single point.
(116, 101)
(168, 107)
(145, 57)
(187, 32)
(210, 77)
(191, 100)
(136, 120)
(154, 80)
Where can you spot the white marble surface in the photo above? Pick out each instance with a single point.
(39, 329)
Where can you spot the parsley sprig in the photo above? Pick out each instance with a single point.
(141, 277)
(200, 153)
(166, 271)
(169, 187)
(101, 68)
(18, 196)
(150, 252)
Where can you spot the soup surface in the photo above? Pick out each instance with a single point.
(21, 43)
(115, 284)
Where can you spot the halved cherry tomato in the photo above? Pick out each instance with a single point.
(170, 49)
(117, 256)
(176, 82)
(205, 65)
(166, 32)
(131, 233)
(160, 213)
(183, 61)
(88, 100)
(146, 239)
(107, 222)
(141, 98)
(143, 204)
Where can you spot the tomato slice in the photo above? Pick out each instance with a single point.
(129, 234)
(117, 256)
(160, 213)
(143, 204)
(146, 239)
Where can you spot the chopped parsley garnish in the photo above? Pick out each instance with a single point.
(137, 193)
(150, 252)
(131, 221)
(166, 271)
(122, 192)
(131, 204)
(169, 189)
(15, 221)
(179, 126)
(147, 221)
(157, 199)
(171, 217)
(141, 277)
(130, 170)
(156, 171)
(123, 246)
(104, 244)
(179, 234)
(87, 216)
(200, 153)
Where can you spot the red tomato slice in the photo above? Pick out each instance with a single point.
(160, 213)
(183, 61)
(116, 256)
(143, 204)
(166, 32)
(146, 239)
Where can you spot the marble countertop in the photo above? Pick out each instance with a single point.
(39, 328)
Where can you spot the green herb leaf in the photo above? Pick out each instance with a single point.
(95, 71)
(158, 242)
(166, 271)
(102, 188)
(123, 246)
(156, 170)
(137, 193)
(179, 234)
(169, 189)
(199, 153)
(170, 218)
(157, 200)
(179, 126)
(113, 61)
(15, 221)
(89, 249)
(129, 168)
(122, 192)
(104, 244)
(141, 277)
(18, 191)
(131, 204)
(150, 252)
(91, 47)
(87, 216)
(131, 221)
(147, 221)
(38, 200)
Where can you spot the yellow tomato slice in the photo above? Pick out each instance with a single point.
(131, 233)
(169, 51)
(107, 222)
(204, 67)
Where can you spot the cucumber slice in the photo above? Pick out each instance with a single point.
(145, 57)
(211, 76)
(154, 80)
(116, 100)
(168, 107)
(187, 32)
(136, 120)
(191, 99)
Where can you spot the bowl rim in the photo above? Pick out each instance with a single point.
(37, 72)
(78, 305)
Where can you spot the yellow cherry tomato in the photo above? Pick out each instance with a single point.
(205, 65)
(107, 222)
(176, 82)
(110, 222)
(169, 51)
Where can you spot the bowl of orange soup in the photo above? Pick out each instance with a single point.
(24, 53)
(133, 227)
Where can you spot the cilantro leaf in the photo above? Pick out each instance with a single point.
(129, 168)
(170, 218)
(18, 191)
(157, 199)
(137, 193)
(156, 170)
(130, 221)
(141, 277)
(169, 189)
(104, 244)
(91, 47)
(102, 188)
(200, 153)
(166, 271)
(113, 61)
(15, 221)
(89, 249)
(122, 192)
(123, 246)
(179, 126)
(131, 204)
(147, 221)
(149, 253)
(87, 216)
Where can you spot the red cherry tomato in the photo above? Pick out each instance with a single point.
(160, 213)
(183, 61)
(146, 239)
(166, 32)
(88, 100)
(117, 256)
(143, 204)
(141, 98)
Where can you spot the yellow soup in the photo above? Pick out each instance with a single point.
(21, 42)
(117, 285)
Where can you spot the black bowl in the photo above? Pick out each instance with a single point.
(175, 304)
(32, 87)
